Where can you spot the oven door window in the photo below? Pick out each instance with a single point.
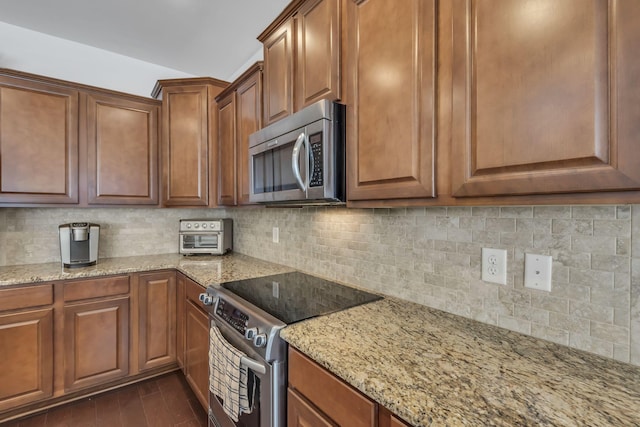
(200, 241)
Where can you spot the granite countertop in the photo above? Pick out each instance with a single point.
(435, 369)
(205, 270)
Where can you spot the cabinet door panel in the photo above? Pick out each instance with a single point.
(227, 151)
(278, 73)
(300, 413)
(26, 372)
(197, 351)
(537, 97)
(38, 142)
(392, 75)
(122, 151)
(185, 145)
(318, 52)
(96, 342)
(248, 121)
(157, 305)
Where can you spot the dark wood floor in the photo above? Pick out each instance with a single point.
(164, 401)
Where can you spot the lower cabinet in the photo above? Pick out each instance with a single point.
(96, 331)
(157, 319)
(317, 398)
(195, 339)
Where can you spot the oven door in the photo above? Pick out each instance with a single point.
(269, 403)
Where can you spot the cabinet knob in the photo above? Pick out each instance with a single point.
(206, 299)
(250, 333)
(260, 340)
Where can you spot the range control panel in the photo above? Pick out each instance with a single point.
(234, 317)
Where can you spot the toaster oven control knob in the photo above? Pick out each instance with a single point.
(260, 340)
(206, 299)
(188, 225)
(196, 225)
(204, 225)
(250, 333)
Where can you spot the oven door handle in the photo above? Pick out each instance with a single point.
(253, 365)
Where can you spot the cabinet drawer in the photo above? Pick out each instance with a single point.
(341, 402)
(28, 296)
(96, 288)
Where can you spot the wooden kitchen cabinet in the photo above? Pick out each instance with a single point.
(156, 319)
(302, 57)
(26, 340)
(122, 150)
(392, 94)
(318, 52)
(196, 342)
(38, 141)
(545, 97)
(239, 115)
(189, 140)
(95, 338)
(317, 398)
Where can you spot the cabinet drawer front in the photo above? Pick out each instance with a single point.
(345, 405)
(28, 296)
(95, 288)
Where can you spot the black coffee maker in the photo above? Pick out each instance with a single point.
(79, 244)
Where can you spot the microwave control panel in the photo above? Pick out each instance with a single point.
(316, 178)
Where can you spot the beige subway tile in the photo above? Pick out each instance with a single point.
(603, 245)
(587, 310)
(616, 298)
(535, 315)
(572, 226)
(615, 263)
(473, 249)
(569, 323)
(516, 239)
(486, 211)
(444, 246)
(552, 241)
(552, 212)
(571, 260)
(458, 211)
(514, 296)
(590, 344)
(608, 332)
(459, 235)
(548, 302)
(622, 317)
(570, 291)
(516, 212)
(621, 353)
(592, 278)
(513, 324)
(558, 336)
(462, 260)
(623, 212)
(534, 225)
(486, 237)
(623, 246)
(502, 225)
(472, 223)
(593, 212)
(620, 228)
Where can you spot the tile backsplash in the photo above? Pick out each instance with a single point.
(428, 255)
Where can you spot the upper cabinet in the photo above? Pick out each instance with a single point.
(239, 115)
(391, 114)
(189, 140)
(545, 97)
(38, 141)
(122, 150)
(302, 57)
(64, 143)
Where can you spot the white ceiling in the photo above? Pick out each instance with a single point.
(199, 37)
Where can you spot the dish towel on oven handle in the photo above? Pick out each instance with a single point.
(228, 378)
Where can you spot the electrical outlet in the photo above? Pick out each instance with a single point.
(537, 272)
(275, 235)
(494, 265)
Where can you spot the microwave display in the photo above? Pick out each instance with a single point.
(316, 177)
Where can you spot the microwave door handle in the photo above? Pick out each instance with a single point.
(295, 155)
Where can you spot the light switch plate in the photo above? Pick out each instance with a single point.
(494, 265)
(537, 272)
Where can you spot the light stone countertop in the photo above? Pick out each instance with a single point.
(436, 369)
(205, 270)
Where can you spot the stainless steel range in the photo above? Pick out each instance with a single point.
(250, 314)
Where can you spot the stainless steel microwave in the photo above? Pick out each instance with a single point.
(300, 159)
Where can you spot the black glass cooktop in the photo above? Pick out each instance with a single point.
(292, 297)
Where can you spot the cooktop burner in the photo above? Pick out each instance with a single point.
(292, 297)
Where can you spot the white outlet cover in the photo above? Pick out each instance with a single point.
(276, 235)
(537, 272)
(494, 265)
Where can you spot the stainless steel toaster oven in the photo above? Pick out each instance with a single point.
(205, 236)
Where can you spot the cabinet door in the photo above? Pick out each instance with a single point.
(185, 145)
(227, 150)
(545, 96)
(96, 342)
(157, 319)
(278, 73)
(38, 142)
(122, 151)
(300, 413)
(248, 121)
(317, 52)
(26, 372)
(196, 359)
(391, 121)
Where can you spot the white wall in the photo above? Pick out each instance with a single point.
(33, 52)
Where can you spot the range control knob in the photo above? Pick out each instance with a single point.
(260, 340)
(251, 333)
(206, 299)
